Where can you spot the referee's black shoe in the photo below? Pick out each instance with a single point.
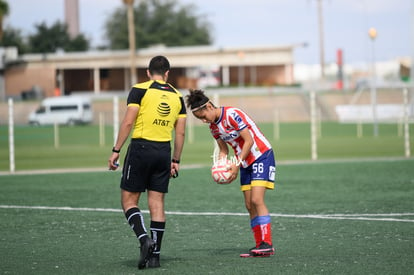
(147, 246)
(154, 261)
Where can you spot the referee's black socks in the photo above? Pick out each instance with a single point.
(157, 232)
(136, 221)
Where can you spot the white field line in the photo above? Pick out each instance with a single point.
(364, 217)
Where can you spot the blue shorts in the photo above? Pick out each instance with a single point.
(260, 173)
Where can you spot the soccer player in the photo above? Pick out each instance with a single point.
(255, 160)
(155, 110)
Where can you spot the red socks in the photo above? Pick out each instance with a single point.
(257, 233)
(266, 232)
(262, 229)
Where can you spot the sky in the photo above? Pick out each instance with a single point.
(263, 23)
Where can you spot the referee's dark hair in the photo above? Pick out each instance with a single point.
(159, 65)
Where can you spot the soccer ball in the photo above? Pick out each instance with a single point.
(220, 172)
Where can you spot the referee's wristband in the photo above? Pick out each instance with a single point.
(175, 161)
(116, 151)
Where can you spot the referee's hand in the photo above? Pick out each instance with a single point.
(113, 163)
(174, 170)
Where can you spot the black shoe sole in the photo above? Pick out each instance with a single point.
(153, 265)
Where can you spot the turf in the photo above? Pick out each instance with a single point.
(309, 235)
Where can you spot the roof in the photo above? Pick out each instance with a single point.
(189, 56)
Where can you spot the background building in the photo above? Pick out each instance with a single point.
(108, 71)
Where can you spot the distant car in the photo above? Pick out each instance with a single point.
(69, 110)
(209, 77)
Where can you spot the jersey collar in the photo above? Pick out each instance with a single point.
(221, 116)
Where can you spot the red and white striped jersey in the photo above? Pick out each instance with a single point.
(228, 127)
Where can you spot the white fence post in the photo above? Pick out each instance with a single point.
(314, 134)
(101, 129)
(406, 125)
(116, 117)
(11, 136)
(56, 134)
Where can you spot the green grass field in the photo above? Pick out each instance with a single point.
(350, 217)
(351, 212)
(79, 146)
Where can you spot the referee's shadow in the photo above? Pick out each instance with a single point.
(191, 255)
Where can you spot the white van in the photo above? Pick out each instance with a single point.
(69, 110)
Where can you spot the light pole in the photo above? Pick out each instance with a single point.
(321, 39)
(131, 38)
(412, 47)
(372, 32)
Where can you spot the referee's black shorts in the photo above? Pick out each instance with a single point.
(147, 165)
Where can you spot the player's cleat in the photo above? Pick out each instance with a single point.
(154, 261)
(147, 246)
(263, 249)
(251, 254)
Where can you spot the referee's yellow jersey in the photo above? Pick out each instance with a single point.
(160, 105)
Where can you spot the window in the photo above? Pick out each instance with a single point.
(41, 110)
(63, 108)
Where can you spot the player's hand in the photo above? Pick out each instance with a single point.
(234, 169)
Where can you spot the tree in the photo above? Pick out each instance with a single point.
(78, 43)
(13, 38)
(158, 22)
(50, 39)
(4, 10)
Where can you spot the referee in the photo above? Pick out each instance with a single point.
(155, 110)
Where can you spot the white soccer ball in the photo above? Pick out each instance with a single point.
(221, 172)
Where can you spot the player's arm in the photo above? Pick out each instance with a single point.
(247, 145)
(124, 131)
(223, 149)
(179, 139)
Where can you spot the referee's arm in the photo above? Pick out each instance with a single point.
(124, 131)
(179, 137)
